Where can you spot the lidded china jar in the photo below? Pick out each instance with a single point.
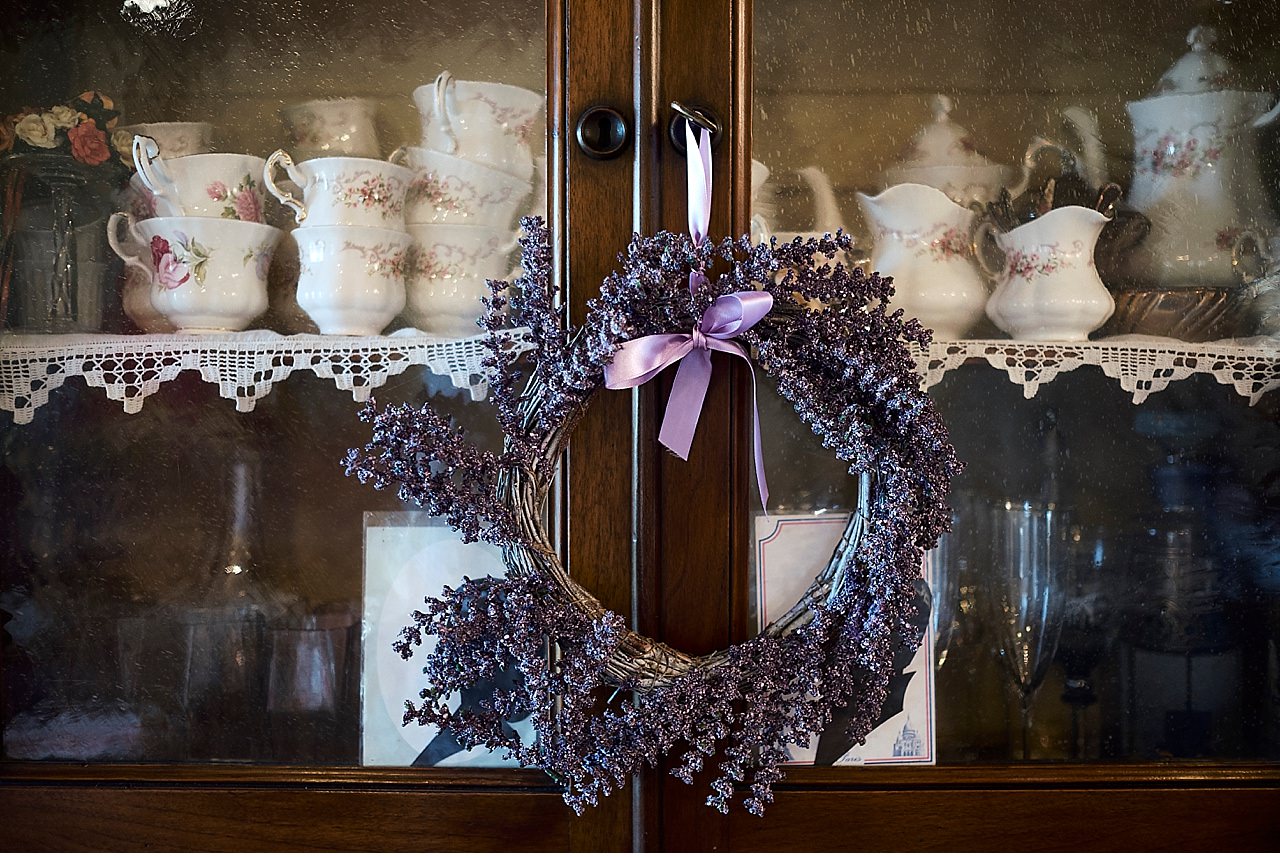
(1196, 170)
(943, 156)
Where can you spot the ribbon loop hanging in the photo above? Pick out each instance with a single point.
(639, 360)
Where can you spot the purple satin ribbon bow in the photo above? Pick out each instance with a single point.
(639, 360)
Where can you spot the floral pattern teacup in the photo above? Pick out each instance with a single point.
(447, 278)
(445, 189)
(351, 278)
(207, 274)
(176, 139)
(342, 191)
(493, 124)
(331, 127)
(218, 185)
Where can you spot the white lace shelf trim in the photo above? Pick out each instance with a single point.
(244, 366)
(1142, 365)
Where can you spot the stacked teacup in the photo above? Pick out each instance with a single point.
(197, 233)
(352, 244)
(472, 174)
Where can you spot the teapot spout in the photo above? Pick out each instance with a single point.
(1268, 117)
(827, 215)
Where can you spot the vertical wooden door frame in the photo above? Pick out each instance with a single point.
(592, 62)
(689, 514)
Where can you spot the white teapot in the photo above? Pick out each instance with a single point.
(943, 156)
(1196, 170)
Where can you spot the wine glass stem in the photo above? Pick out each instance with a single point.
(1026, 726)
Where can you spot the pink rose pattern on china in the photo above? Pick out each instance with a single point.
(381, 260)
(452, 195)
(366, 190)
(514, 123)
(427, 188)
(427, 265)
(940, 242)
(1180, 156)
(241, 202)
(170, 273)
(179, 261)
(1029, 264)
(952, 244)
(183, 259)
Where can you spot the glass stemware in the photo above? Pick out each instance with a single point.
(942, 572)
(1089, 626)
(1030, 556)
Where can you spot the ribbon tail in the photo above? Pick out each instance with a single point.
(638, 361)
(698, 170)
(684, 406)
(761, 483)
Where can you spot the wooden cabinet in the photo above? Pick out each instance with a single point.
(666, 542)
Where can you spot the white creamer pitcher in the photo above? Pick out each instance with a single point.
(924, 242)
(1047, 287)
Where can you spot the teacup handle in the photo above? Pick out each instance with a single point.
(151, 169)
(113, 239)
(444, 88)
(284, 159)
(400, 156)
(984, 236)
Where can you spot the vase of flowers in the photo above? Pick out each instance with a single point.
(74, 153)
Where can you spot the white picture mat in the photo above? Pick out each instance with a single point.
(790, 552)
(408, 556)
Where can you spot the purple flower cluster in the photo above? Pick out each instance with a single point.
(840, 357)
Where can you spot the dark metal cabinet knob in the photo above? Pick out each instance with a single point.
(602, 132)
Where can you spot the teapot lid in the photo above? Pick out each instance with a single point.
(943, 143)
(1201, 69)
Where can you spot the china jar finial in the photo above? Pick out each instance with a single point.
(1202, 38)
(1202, 69)
(941, 106)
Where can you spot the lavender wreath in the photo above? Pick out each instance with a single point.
(840, 357)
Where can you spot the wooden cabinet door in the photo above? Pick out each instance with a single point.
(590, 60)
(828, 85)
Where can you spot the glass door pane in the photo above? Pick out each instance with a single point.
(1108, 174)
(184, 578)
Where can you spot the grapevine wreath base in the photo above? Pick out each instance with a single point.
(840, 358)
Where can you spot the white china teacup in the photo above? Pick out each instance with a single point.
(446, 189)
(206, 274)
(451, 265)
(219, 185)
(176, 139)
(342, 191)
(351, 278)
(332, 127)
(493, 124)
